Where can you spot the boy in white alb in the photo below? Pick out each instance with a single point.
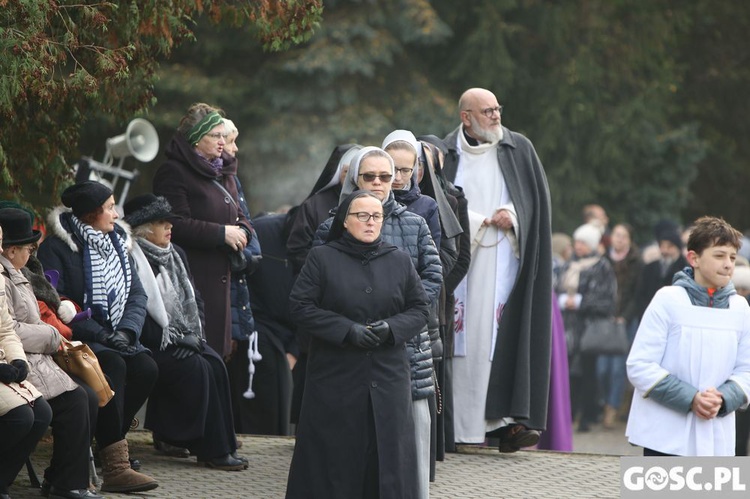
(690, 360)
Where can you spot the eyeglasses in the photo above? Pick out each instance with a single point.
(217, 135)
(29, 247)
(405, 172)
(490, 111)
(363, 216)
(370, 177)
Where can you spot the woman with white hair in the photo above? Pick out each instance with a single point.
(587, 290)
(190, 406)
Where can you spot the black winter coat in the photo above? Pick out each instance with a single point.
(597, 286)
(409, 232)
(347, 385)
(63, 251)
(311, 213)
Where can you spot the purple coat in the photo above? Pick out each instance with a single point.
(187, 182)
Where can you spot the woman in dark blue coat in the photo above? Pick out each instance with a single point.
(90, 251)
(360, 300)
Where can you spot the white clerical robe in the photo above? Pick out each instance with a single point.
(480, 298)
(703, 347)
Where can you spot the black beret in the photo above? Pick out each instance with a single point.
(85, 197)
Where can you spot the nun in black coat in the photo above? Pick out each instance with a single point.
(360, 300)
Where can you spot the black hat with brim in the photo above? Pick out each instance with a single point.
(17, 227)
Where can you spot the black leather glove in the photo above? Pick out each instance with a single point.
(117, 340)
(8, 373)
(23, 369)
(382, 330)
(123, 342)
(362, 337)
(190, 341)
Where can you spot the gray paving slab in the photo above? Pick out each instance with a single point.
(471, 473)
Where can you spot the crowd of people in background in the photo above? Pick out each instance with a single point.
(416, 300)
(601, 272)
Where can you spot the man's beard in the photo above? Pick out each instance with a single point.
(490, 135)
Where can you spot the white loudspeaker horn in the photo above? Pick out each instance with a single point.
(140, 140)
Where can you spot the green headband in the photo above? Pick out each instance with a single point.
(204, 126)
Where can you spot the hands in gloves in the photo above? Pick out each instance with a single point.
(382, 330)
(118, 340)
(187, 346)
(8, 373)
(362, 337)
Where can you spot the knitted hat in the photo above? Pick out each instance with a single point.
(671, 235)
(147, 208)
(589, 234)
(16, 226)
(84, 197)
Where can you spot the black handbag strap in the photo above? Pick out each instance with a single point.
(226, 192)
(227, 195)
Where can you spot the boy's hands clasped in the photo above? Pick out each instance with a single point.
(706, 404)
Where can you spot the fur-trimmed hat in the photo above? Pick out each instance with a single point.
(85, 197)
(147, 208)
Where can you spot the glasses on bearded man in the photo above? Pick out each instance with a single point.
(490, 111)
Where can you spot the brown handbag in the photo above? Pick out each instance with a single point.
(78, 360)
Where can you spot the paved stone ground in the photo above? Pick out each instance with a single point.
(471, 473)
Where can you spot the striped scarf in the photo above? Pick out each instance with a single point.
(108, 275)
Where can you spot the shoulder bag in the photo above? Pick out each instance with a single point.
(604, 336)
(78, 360)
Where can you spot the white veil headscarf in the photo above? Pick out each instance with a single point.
(350, 182)
(409, 138)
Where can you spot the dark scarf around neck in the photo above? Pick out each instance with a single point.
(365, 251)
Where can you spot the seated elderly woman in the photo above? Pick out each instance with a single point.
(74, 407)
(24, 414)
(188, 366)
